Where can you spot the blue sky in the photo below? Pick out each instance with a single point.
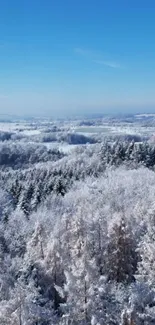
(68, 57)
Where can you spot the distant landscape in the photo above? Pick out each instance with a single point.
(77, 220)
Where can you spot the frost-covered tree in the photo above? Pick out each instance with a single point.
(146, 249)
(121, 259)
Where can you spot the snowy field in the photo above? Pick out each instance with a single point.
(62, 134)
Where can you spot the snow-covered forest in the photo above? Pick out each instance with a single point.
(77, 226)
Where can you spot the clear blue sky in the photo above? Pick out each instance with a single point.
(69, 56)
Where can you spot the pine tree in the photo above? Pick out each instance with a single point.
(121, 259)
(146, 250)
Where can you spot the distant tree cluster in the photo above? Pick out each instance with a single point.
(17, 155)
(66, 137)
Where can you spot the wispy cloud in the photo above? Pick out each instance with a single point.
(108, 64)
(97, 58)
(85, 52)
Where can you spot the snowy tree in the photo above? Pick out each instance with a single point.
(146, 265)
(121, 260)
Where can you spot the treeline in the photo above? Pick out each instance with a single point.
(29, 188)
(66, 137)
(17, 155)
(129, 153)
(6, 136)
(48, 135)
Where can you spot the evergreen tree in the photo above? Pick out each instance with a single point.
(121, 260)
